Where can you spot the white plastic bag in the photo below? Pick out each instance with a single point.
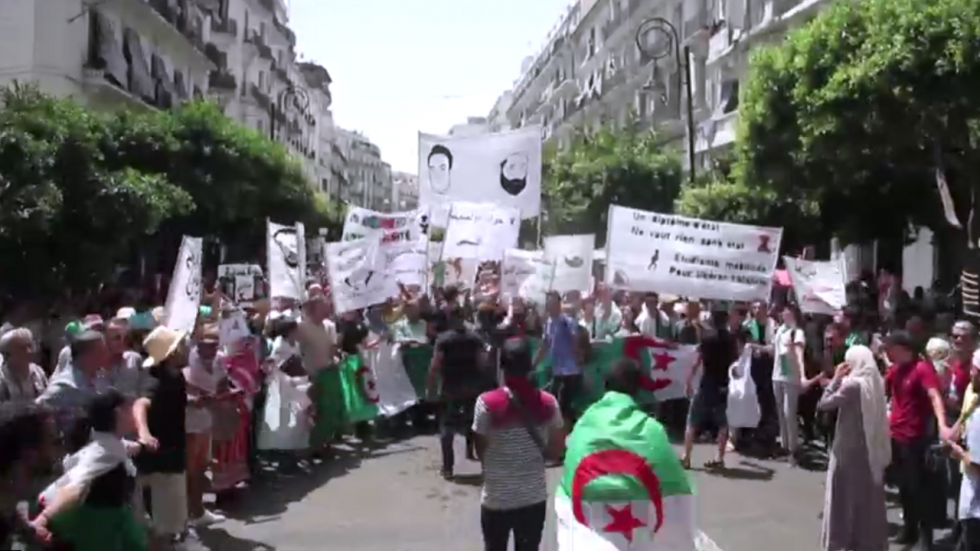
(743, 402)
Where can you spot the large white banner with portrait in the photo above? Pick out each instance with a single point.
(818, 284)
(285, 252)
(688, 257)
(184, 295)
(357, 274)
(502, 168)
(572, 255)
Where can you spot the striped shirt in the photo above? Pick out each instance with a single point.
(513, 465)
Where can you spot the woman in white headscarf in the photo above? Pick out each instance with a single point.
(854, 506)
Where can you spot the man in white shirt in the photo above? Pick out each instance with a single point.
(652, 322)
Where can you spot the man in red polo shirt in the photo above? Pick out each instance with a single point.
(916, 404)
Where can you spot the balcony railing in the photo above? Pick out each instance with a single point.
(216, 56)
(228, 26)
(222, 80)
(287, 32)
(165, 10)
(260, 97)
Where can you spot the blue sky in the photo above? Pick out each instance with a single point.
(404, 66)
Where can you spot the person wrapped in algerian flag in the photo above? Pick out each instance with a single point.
(624, 487)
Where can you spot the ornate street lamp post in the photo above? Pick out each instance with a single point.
(671, 45)
(298, 96)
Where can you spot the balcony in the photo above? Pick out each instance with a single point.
(222, 80)
(280, 72)
(219, 58)
(613, 25)
(227, 27)
(288, 35)
(166, 10)
(567, 89)
(263, 49)
(722, 43)
(260, 97)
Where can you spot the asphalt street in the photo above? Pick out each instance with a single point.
(390, 497)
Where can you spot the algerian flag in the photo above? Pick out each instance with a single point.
(394, 388)
(624, 487)
(359, 390)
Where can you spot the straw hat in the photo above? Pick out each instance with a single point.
(160, 344)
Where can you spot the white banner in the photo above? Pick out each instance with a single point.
(301, 256)
(238, 283)
(357, 278)
(286, 279)
(407, 262)
(501, 168)
(818, 284)
(396, 228)
(689, 257)
(526, 274)
(572, 255)
(184, 295)
(480, 231)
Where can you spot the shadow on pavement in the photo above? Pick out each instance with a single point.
(475, 480)
(216, 539)
(270, 494)
(746, 471)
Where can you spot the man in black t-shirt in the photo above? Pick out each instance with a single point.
(457, 366)
(160, 416)
(718, 351)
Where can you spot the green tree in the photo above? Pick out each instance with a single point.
(850, 116)
(622, 166)
(66, 217)
(81, 191)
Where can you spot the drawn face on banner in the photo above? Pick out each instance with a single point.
(440, 169)
(513, 173)
(285, 238)
(193, 263)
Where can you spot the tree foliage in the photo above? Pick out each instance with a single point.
(81, 189)
(622, 166)
(848, 118)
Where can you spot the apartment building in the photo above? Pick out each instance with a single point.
(259, 79)
(590, 71)
(143, 54)
(367, 179)
(735, 27)
(405, 189)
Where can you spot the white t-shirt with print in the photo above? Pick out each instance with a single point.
(784, 368)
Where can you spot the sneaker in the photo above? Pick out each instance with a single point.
(207, 519)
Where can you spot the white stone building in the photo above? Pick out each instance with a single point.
(405, 189)
(590, 69)
(137, 53)
(366, 180)
(259, 81)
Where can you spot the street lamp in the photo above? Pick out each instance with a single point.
(683, 55)
(298, 96)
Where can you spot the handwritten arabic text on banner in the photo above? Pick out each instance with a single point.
(818, 284)
(690, 257)
(480, 231)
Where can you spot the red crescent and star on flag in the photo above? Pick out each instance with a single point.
(368, 384)
(609, 462)
(662, 359)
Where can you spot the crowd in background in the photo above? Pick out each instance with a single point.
(122, 422)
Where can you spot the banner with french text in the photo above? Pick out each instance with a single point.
(689, 257)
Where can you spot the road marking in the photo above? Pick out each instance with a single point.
(703, 543)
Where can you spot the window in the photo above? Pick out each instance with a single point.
(261, 80)
(262, 29)
(245, 27)
(590, 46)
(728, 98)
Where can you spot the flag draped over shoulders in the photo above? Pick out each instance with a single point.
(624, 487)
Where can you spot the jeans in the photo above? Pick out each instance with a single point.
(527, 523)
(787, 400)
(969, 535)
(455, 417)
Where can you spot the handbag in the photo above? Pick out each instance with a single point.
(525, 418)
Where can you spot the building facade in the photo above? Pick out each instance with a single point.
(139, 54)
(148, 54)
(366, 179)
(590, 70)
(405, 187)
